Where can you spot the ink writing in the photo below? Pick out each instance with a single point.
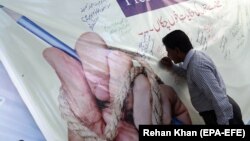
(121, 27)
(92, 10)
(146, 46)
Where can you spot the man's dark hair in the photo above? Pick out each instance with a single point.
(177, 39)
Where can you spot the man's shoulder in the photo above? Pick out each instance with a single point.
(200, 52)
(201, 55)
(200, 58)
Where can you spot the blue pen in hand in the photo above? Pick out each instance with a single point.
(39, 32)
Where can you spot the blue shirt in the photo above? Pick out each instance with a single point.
(206, 86)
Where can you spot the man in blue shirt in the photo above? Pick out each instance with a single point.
(206, 86)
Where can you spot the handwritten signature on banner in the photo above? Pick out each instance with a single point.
(119, 26)
(202, 40)
(146, 45)
(188, 15)
(227, 42)
(237, 40)
(236, 32)
(205, 34)
(92, 10)
(226, 51)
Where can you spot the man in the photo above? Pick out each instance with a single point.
(206, 87)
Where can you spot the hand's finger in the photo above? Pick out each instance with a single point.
(126, 132)
(119, 66)
(173, 106)
(142, 108)
(166, 62)
(167, 100)
(93, 52)
(74, 84)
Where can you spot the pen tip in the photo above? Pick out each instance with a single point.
(14, 15)
(1, 6)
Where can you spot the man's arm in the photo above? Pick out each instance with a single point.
(167, 63)
(179, 71)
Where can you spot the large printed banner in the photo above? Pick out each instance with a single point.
(88, 69)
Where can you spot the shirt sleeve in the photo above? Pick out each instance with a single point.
(179, 71)
(209, 84)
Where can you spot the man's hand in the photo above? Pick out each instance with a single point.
(166, 62)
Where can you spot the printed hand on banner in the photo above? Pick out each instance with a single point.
(88, 88)
(87, 83)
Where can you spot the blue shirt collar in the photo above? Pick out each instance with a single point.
(187, 58)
